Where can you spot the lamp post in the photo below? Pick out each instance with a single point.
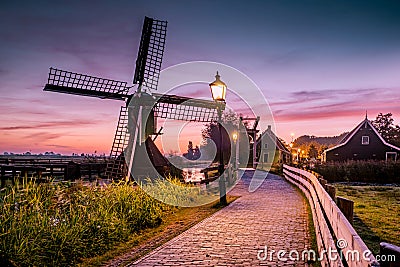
(291, 153)
(235, 138)
(218, 92)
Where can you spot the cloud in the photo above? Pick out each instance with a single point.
(51, 124)
(62, 146)
(309, 96)
(321, 104)
(287, 58)
(43, 136)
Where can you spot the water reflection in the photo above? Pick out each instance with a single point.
(193, 175)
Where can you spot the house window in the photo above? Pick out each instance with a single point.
(365, 140)
(265, 157)
(391, 156)
(265, 146)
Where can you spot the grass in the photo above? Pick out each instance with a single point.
(313, 236)
(58, 224)
(376, 213)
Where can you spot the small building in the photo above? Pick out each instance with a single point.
(270, 148)
(362, 143)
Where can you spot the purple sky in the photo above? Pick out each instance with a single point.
(320, 64)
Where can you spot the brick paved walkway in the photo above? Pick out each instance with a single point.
(275, 216)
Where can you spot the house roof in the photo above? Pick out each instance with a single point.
(278, 142)
(281, 146)
(350, 135)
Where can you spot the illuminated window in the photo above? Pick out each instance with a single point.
(365, 140)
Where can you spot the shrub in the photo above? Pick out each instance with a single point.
(360, 171)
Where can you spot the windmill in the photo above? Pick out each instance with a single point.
(138, 117)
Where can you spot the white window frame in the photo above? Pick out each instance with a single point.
(266, 146)
(391, 153)
(362, 140)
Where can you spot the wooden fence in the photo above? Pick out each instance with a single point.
(334, 234)
(40, 169)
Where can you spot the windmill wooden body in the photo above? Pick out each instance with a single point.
(138, 117)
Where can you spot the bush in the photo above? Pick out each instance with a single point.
(56, 224)
(360, 171)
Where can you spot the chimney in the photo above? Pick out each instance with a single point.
(269, 128)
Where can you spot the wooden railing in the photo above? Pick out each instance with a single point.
(41, 169)
(333, 230)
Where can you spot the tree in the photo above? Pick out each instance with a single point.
(211, 132)
(192, 153)
(384, 124)
(312, 151)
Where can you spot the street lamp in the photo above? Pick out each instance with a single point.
(218, 92)
(218, 89)
(298, 154)
(291, 152)
(234, 137)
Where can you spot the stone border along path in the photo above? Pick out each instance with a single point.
(275, 215)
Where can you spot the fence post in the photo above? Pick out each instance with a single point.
(347, 207)
(3, 177)
(323, 182)
(331, 190)
(90, 171)
(72, 171)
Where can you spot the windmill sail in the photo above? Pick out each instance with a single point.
(150, 54)
(81, 84)
(116, 167)
(185, 108)
(147, 72)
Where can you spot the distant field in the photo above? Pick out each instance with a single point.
(376, 213)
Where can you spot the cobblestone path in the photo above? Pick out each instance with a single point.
(275, 215)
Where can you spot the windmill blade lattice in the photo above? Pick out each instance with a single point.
(151, 50)
(62, 81)
(184, 108)
(116, 167)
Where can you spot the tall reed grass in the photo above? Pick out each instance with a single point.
(57, 224)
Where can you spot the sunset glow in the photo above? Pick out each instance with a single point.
(319, 76)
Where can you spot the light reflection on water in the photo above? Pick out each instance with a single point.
(193, 175)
